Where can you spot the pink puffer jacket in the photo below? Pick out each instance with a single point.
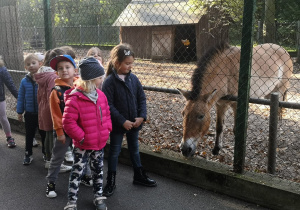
(83, 119)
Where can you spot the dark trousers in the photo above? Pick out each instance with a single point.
(31, 125)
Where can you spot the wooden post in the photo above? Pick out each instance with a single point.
(273, 124)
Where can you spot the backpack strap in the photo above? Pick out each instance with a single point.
(60, 94)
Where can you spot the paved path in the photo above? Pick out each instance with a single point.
(24, 187)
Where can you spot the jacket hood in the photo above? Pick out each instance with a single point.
(43, 78)
(73, 92)
(60, 82)
(44, 69)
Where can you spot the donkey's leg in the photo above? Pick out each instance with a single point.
(234, 108)
(282, 90)
(222, 107)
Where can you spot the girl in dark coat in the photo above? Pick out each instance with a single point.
(127, 102)
(5, 79)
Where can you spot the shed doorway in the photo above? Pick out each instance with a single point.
(185, 44)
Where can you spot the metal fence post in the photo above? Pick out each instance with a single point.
(298, 41)
(244, 85)
(48, 25)
(80, 35)
(274, 105)
(98, 33)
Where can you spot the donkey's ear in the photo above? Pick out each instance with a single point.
(209, 96)
(185, 93)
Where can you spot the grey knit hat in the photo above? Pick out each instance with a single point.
(90, 68)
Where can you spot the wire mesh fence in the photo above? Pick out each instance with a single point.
(169, 37)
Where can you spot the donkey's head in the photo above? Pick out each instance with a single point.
(196, 121)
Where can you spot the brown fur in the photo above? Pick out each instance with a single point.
(217, 75)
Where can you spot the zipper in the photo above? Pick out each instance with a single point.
(100, 114)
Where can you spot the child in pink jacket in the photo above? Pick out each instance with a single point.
(87, 121)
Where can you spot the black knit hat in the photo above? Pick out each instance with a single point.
(90, 68)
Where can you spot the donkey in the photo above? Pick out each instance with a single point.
(217, 75)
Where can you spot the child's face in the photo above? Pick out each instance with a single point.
(32, 65)
(96, 55)
(65, 70)
(98, 81)
(125, 66)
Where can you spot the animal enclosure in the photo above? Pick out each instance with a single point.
(163, 130)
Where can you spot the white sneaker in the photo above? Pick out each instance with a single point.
(65, 168)
(47, 164)
(35, 143)
(69, 157)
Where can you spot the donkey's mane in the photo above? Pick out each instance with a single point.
(202, 64)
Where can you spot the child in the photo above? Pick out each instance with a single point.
(96, 53)
(6, 79)
(69, 51)
(87, 121)
(45, 78)
(65, 67)
(27, 102)
(127, 102)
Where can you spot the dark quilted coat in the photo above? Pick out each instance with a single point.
(126, 100)
(5, 79)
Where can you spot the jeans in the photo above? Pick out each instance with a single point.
(115, 149)
(58, 155)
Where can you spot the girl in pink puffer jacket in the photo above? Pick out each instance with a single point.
(87, 121)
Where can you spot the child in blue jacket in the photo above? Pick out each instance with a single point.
(27, 102)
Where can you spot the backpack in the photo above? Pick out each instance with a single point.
(60, 94)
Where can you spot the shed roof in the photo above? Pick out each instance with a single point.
(159, 12)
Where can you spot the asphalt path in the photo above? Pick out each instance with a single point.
(24, 187)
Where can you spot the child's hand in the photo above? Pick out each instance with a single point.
(138, 122)
(62, 139)
(128, 125)
(20, 117)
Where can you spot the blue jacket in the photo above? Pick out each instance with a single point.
(126, 100)
(6, 79)
(27, 100)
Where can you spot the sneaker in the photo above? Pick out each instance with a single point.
(27, 160)
(70, 206)
(35, 143)
(50, 191)
(11, 142)
(47, 164)
(87, 181)
(64, 168)
(69, 157)
(99, 203)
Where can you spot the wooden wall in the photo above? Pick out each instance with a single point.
(139, 38)
(11, 45)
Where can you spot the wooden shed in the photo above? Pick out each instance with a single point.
(169, 29)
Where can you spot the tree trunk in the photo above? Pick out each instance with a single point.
(270, 21)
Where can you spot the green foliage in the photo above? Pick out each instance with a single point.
(72, 12)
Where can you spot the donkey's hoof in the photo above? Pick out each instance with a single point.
(215, 150)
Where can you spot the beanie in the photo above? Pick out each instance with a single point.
(90, 68)
(54, 61)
